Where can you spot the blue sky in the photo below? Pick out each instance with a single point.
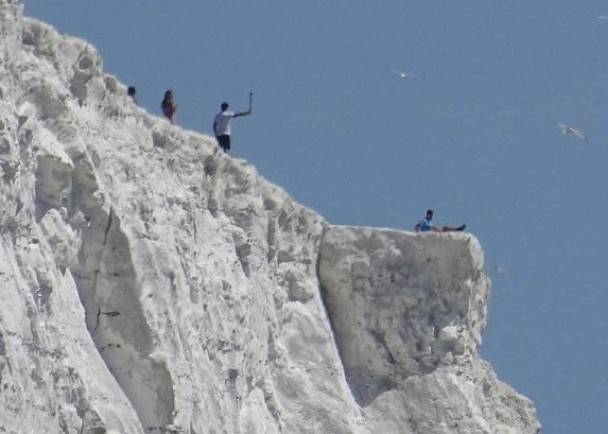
(475, 138)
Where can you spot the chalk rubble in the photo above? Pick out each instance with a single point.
(152, 284)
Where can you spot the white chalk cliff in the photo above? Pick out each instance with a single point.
(152, 284)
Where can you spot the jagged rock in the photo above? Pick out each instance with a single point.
(155, 285)
(408, 311)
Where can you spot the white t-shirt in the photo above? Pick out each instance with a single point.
(222, 123)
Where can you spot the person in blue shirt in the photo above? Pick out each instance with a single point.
(426, 225)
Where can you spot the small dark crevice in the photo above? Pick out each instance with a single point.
(97, 319)
(105, 235)
(379, 337)
(111, 314)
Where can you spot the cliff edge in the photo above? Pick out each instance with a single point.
(153, 284)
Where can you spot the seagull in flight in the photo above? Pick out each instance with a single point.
(571, 131)
(404, 74)
(499, 270)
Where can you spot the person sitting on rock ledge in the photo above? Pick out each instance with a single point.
(426, 225)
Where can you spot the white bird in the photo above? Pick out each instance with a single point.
(404, 74)
(499, 270)
(571, 131)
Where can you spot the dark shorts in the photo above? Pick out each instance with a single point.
(224, 142)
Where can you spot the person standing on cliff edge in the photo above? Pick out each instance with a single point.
(168, 106)
(131, 91)
(426, 225)
(221, 123)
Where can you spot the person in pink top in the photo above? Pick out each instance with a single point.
(168, 106)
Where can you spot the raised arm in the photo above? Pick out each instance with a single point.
(248, 112)
(239, 114)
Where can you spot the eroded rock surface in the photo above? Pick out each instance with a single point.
(408, 311)
(152, 284)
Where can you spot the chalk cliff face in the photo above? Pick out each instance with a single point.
(152, 284)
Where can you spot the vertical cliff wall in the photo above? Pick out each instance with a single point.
(153, 284)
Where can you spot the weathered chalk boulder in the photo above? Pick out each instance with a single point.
(407, 312)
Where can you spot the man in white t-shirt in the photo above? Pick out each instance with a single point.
(221, 124)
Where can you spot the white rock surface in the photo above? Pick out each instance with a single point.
(152, 284)
(407, 312)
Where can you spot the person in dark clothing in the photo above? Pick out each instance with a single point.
(131, 91)
(168, 106)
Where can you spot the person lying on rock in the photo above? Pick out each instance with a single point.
(426, 225)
